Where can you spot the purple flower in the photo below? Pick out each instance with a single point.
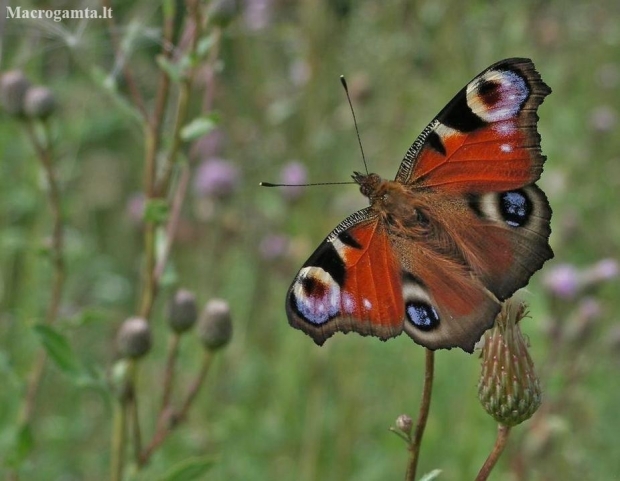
(135, 207)
(563, 281)
(208, 145)
(293, 173)
(273, 246)
(216, 177)
(257, 14)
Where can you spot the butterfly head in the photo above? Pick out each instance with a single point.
(370, 185)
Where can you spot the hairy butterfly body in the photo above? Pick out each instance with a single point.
(459, 230)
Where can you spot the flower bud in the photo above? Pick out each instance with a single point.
(182, 311)
(509, 389)
(215, 326)
(404, 423)
(13, 87)
(134, 338)
(39, 102)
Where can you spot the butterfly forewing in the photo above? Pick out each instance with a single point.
(352, 282)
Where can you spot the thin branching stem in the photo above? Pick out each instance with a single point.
(500, 443)
(425, 404)
(134, 90)
(173, 419)
(173, 350)
(45, 155)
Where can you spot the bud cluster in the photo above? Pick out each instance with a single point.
(19, 98)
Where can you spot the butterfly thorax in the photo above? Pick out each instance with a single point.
(400, 207)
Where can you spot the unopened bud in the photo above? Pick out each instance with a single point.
(404, 423)
(215, 325)
(39, 102)
(509, 389)
(182, 311)
(134, 338)
(13, 87)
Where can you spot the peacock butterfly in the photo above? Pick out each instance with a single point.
(460, 229)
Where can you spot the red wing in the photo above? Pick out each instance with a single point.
(485, 139)
(352, 282)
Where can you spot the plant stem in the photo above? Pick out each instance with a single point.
(45, 155)
(500, 443)
(173, 349)
(171, 420)
(118, 440)
(132, 85)
(425, 404)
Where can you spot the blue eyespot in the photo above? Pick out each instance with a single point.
(422, 315)
(515, 208)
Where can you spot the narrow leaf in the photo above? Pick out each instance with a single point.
(59, 350)
(199, 126)
(188, 470)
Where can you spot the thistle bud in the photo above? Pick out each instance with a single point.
(404, 423)
(182, 311)
(509, 389)
(215, 326)
(13, 87)
(39, 102)
(134, 338)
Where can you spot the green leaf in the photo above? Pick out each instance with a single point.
(22, 446)
(204, 45)
(174, 70)
(199, 126)
(434, 474)
(189, 469)
(59, 350)
(156, 211)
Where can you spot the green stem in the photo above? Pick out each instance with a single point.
(119, 436)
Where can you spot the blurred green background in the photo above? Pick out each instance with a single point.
(276, 406)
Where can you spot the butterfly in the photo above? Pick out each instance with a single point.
(460, 229)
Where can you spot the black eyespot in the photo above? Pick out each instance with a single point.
(422, 315)
(515, 208)
(489, 92)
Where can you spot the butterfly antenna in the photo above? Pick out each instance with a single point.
(359, 140)
(271, 184)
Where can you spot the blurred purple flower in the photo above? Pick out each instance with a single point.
(216, 177)
(562, 281)
(603, 118)
(273, 246)
(135, 207)
(208, 145)
(293, 173)
(257, 14)
(603, 270)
